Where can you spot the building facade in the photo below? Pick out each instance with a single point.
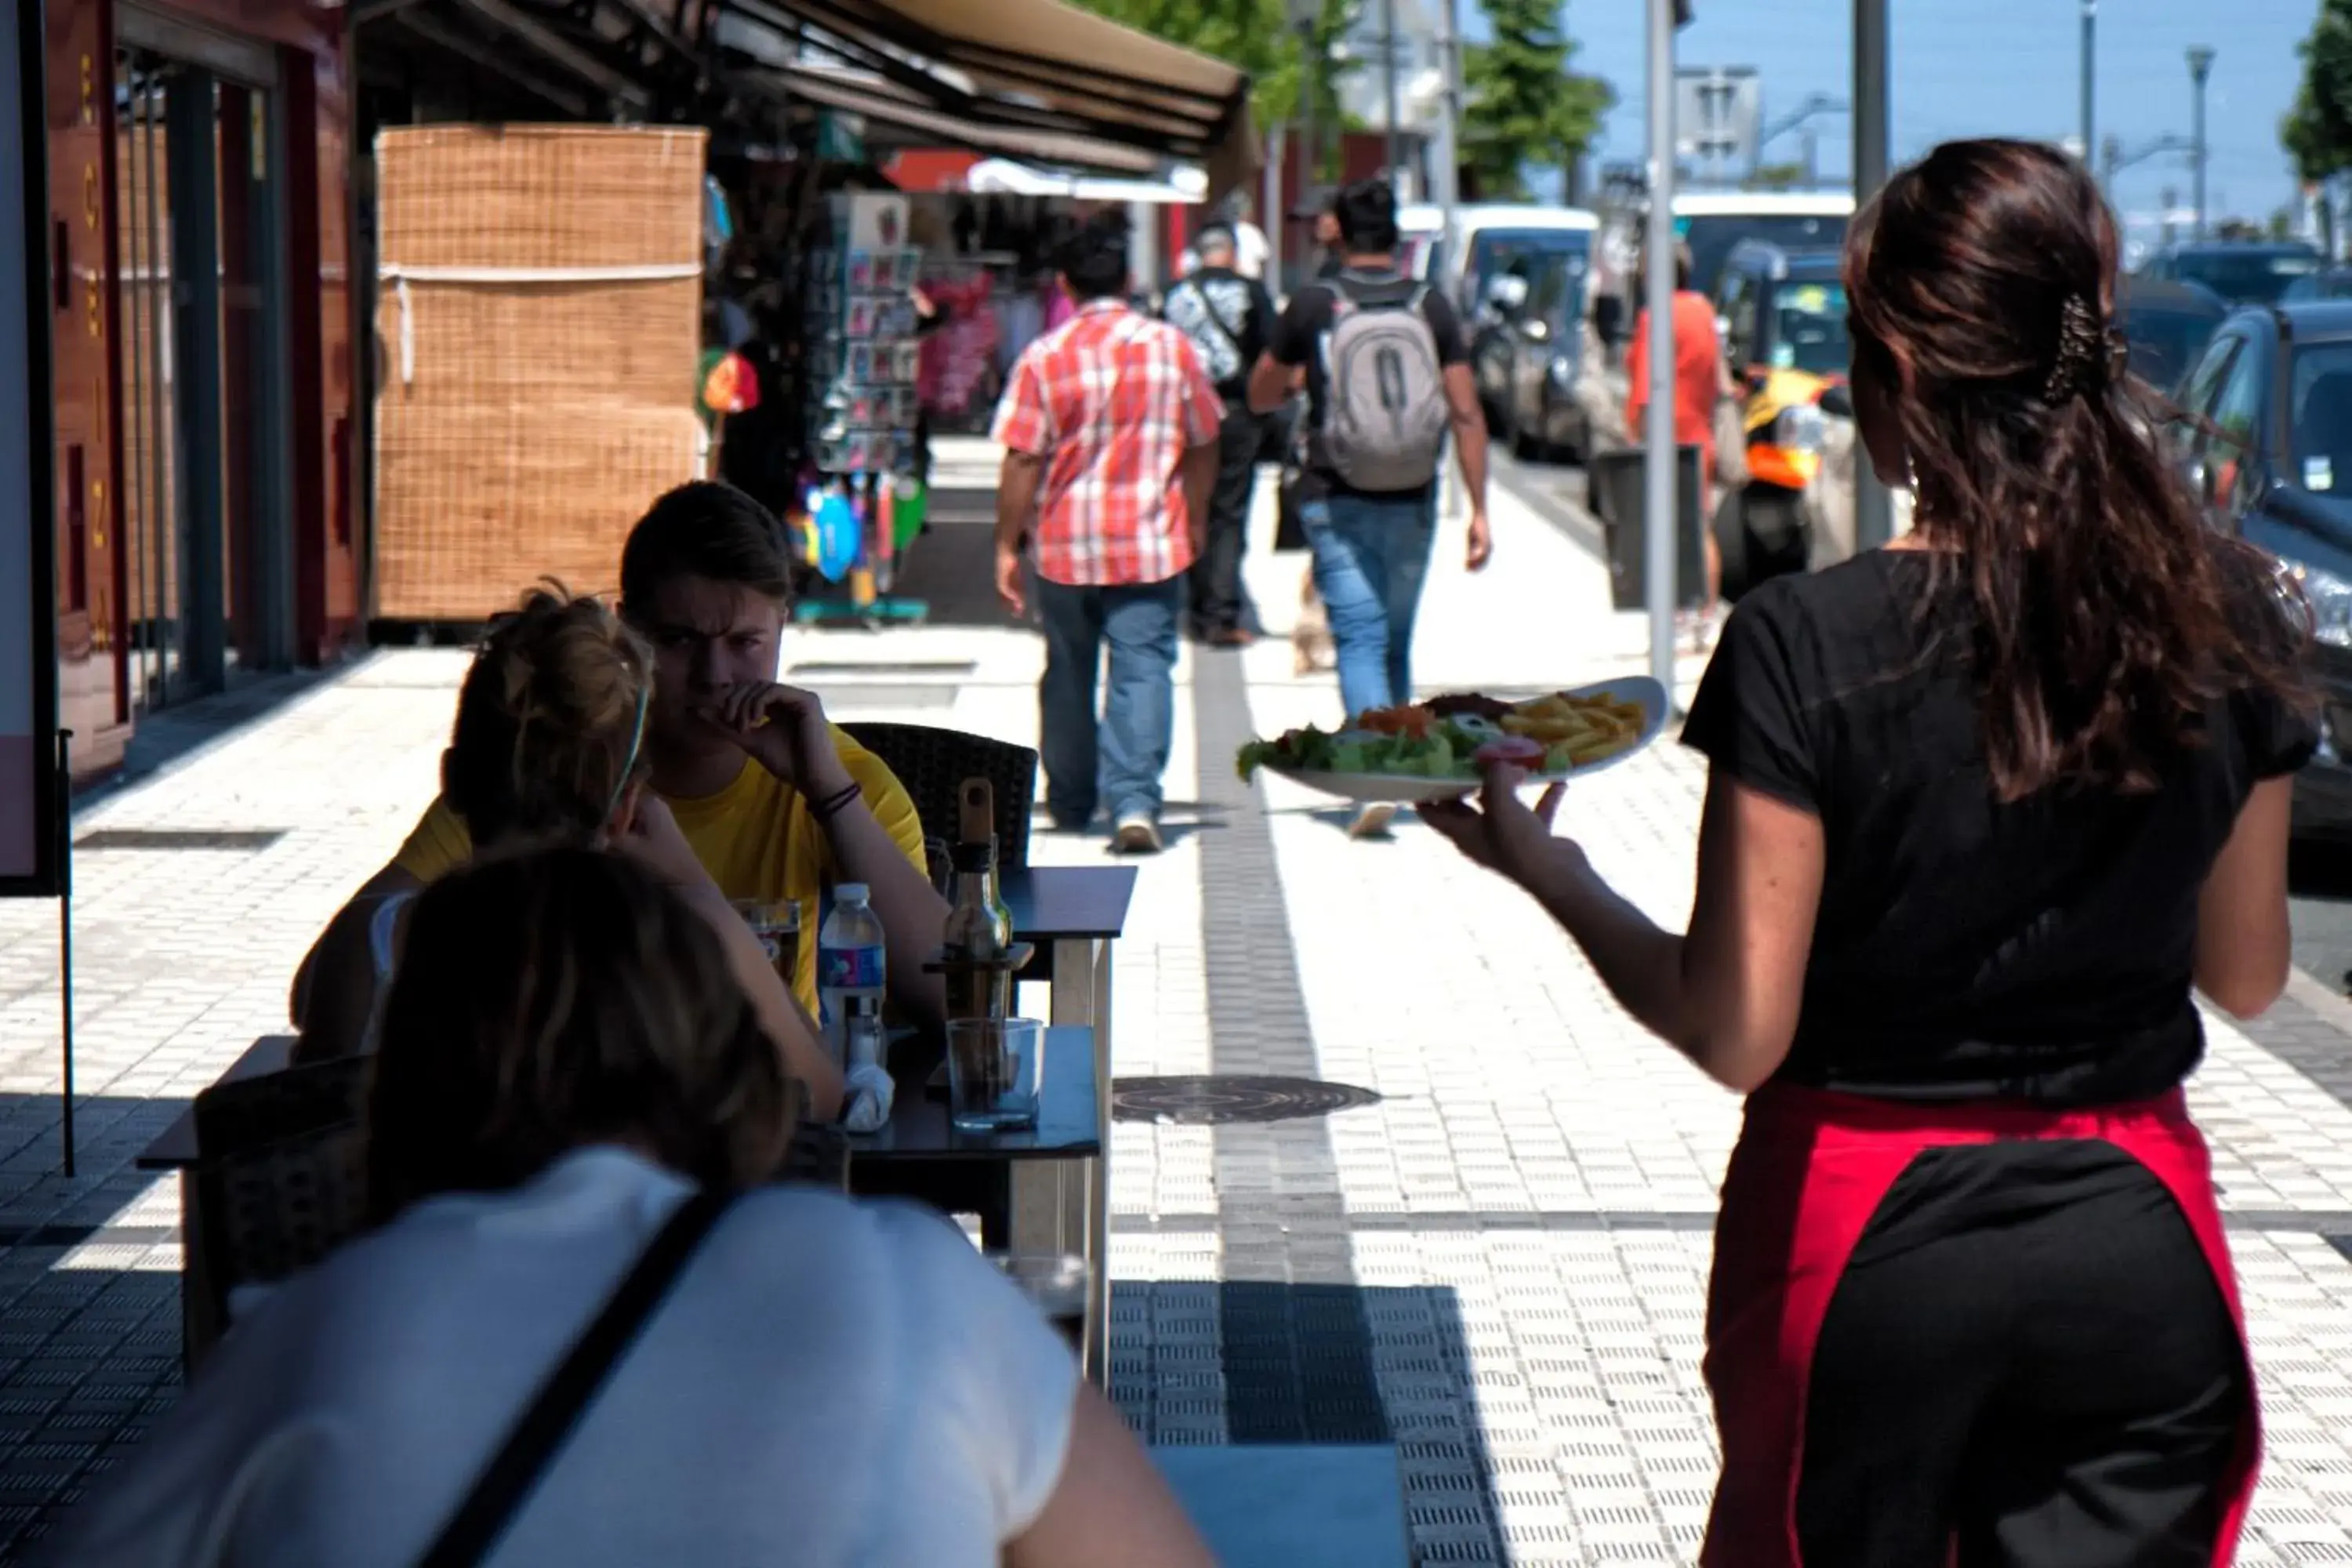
(200, 242)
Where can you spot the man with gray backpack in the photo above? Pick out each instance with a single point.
(1387, 378)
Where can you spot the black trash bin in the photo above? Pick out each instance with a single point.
(1616, 482)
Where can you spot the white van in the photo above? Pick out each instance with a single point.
(1712, 222)
(1489, 237)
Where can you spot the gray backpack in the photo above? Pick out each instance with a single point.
(1385, 410)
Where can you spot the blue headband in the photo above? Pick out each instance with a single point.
(636, 745)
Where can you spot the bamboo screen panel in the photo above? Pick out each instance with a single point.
(524, 424)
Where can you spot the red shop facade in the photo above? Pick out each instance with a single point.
(200, 237)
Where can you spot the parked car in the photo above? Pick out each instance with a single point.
(2167, 326)
(2268, 444)
(1714, 223)
(2241, 273)
(2330, 283)
(1489, 237)
(1526, 356)
(1783, 318)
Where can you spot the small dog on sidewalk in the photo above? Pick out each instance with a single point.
(1311, 647)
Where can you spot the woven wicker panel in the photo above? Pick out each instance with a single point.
(632, 344)
(476, 503)
(528, 424)
(539, 195)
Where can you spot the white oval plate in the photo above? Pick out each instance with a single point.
(1410, 789)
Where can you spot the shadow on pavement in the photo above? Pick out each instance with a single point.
(1319, 1364)
(2321, 870)
(89, 1303)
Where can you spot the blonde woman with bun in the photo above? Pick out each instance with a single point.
(549, 745)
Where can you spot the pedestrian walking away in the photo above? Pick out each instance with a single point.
(1111, 431)
(1229, 318)
(1984, 810)
(1387, 378)
(1702, 382)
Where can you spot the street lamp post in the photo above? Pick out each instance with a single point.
(2113, 160)
(1389, 82)
(1304, 15)
(1873, 508)
(2090, 39)
(1661, 537)
(2200, 66)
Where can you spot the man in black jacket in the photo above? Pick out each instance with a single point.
(1229, 318)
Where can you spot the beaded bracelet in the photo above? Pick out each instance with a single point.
(835, 804)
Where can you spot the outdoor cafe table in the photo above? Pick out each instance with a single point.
(1069, 1130)
(1072, 914)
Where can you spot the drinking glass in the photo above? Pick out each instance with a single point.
(777, 923)
(995, 1067)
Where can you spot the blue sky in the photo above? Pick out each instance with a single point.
(1963, 67)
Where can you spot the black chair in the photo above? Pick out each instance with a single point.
(281, 1170)
(932, 763)
(281, 1163)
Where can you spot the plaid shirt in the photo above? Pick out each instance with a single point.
(1111, 400)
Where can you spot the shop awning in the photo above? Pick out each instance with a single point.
(889, 104)
(1043, 66)
(1182, 187)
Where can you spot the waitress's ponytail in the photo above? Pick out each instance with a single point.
(2108, 618)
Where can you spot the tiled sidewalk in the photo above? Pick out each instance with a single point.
(1498, 1264)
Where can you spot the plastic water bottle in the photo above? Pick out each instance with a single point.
(850, 976)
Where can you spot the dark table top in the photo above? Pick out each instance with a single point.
(1069, 1124)
(1069, 1117)
(175, 1148)
(1050, 903)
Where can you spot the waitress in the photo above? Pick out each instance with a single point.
(1982, 811)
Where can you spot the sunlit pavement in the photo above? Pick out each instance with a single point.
(1497, 1266)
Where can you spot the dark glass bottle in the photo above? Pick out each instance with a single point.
(979, 928)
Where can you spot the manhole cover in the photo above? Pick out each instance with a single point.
(1207, 1101)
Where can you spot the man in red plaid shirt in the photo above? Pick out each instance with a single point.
(1110, 434)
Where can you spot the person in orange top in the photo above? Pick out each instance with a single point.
(1701, 378)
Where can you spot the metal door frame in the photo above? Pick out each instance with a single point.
(209, 57)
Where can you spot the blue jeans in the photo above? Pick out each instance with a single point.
(1372, 556)
(1119, 760)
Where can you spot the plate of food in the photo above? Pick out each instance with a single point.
(1438, 749)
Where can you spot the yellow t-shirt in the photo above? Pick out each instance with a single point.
(755, 838)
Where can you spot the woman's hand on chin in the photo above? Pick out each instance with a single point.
(1501, 832)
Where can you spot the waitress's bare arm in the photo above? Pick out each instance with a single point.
(1726, 994)
(2244, 947)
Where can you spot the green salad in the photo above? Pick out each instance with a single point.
(1444, 753)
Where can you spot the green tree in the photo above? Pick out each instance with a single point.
(1256, 35)
(1777, 178)
(2317, 130)
(1526, 109)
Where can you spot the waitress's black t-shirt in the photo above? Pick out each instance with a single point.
(2039, 950)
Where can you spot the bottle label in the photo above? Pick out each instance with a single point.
(849, 968)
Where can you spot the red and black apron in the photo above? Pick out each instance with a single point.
(1810, 1172)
